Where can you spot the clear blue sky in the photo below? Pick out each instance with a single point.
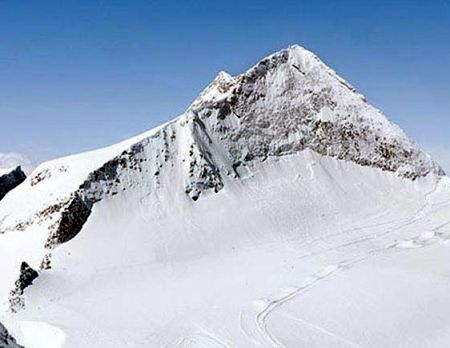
(76, 75)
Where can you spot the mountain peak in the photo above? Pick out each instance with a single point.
(290, 101)
(294, 54)
(218, 89)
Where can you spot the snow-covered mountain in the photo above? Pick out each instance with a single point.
(279, 210)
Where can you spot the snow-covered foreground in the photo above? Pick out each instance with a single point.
(324, 254)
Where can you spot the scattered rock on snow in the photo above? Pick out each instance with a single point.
(26, 278)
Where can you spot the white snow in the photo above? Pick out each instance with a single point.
(41, 335)
(147, 271)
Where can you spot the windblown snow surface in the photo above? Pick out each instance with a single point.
(281, 210)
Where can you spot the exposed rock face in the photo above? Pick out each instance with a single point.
(6, 340)
(99, 184)
(146, 160)
(203, 172)
(72, 220)
(291, 101)
(10, 181)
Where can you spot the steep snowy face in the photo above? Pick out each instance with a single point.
(290, 101)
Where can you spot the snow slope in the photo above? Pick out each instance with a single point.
(281, 210)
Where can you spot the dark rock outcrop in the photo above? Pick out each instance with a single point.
(10, 181)
(101, 183)
(6, 340)
(26, 278)
(73, 218)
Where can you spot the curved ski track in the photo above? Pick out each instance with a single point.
(267, 339)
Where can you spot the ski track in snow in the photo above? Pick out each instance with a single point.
(266, 338)
(322, 330)
(199, 339)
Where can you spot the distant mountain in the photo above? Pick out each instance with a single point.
(199, 232)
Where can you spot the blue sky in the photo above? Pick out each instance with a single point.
(76, 75)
